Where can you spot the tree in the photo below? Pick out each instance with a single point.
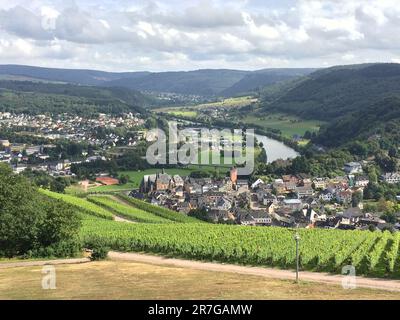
(372, 175)
(356, 199)
(32, 224)
(123, 179)
(389, 217)
(200, 214)
(58, 185)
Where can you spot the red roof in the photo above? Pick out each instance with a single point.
(108, 181)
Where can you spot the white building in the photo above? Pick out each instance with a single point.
(353, 167)
(391, 177)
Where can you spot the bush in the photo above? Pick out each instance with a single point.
(99, 249)
(31, 224)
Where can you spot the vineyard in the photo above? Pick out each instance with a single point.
(371, 253)
(126, 211)
(81, 204)
(159, 211)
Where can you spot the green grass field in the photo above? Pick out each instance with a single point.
(183, 113)
(237, 102)
(288, 125)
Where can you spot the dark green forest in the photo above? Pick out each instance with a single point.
(38, 97)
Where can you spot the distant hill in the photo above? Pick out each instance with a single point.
(356, 101)
(77, 76)
(335, 92)
(38, 97)
(200, 82)
(258, 80)
(206, 82)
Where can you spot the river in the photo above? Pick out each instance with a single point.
(275, 149)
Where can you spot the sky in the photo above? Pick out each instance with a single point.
(139, 35)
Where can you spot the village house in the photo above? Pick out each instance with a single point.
(304, 191)
(279, 186)
(5, 143)
(257, 183)
(344, 196)
(242, 186)
(391, 177)
(304, 179)
(361, 181)
(320, 183)
(326, 195)
(351, 216)
(293, 204)
(353, 167)
(290, 178)
(253, 218)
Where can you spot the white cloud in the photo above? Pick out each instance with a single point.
(251, 34)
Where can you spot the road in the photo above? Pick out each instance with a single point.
(372, 283)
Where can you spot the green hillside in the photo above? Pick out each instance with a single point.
(38, 97)
(336, 92)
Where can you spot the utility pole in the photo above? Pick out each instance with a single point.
(297, 239)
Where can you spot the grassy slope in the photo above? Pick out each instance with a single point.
(128, 280)
(82, 204)
(125, 210)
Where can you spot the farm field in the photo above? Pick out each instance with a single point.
(371, 253)
(226, 103)
(131, 280)
(183, 113)
(288, 125)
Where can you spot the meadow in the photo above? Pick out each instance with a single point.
(288, 125)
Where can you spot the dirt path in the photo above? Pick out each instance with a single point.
(373, 283)
(42, 262)
(119, 218)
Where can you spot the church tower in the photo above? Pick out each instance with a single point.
(233, 175)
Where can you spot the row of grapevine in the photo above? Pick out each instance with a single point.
(326, 250)
(125, 210)
(376, 254)
(81, 204)
(159, 211)
(392, 254)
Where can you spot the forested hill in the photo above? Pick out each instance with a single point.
(198, 82)
(206, 82)
(257, 80)
(336, 92)
(379, 121)
(38, 97)
(77, 76)
(357, 102)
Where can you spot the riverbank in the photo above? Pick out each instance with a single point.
(275, 145)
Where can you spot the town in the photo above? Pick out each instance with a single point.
(291, 201)
(100, 132)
